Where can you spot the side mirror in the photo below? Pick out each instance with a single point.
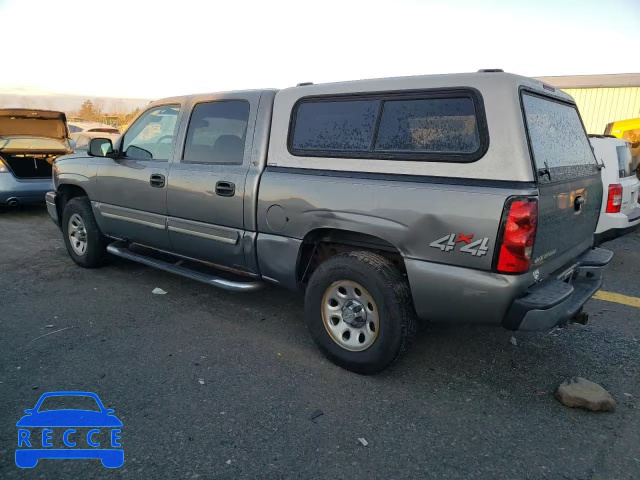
(29, 410)
(100, 147)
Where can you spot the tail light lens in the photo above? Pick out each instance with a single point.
(614, 200)
(518, 235)
(3, 167)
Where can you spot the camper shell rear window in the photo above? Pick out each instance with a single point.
(432, 125)
(557, 139)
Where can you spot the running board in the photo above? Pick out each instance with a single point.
(120, 249)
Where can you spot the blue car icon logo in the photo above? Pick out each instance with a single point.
(83, 428)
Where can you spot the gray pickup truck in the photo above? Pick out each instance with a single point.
(449, 198)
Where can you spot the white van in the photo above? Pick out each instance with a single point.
(620, 213)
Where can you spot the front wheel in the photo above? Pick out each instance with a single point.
(84, 241)
(360, 312)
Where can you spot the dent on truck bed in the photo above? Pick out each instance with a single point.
(394, 211)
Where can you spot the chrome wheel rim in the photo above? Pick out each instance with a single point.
(77, 234)
(350, 315)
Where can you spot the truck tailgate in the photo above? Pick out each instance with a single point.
(569, 183)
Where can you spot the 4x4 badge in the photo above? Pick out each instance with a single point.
(449, 242)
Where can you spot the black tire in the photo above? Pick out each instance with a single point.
(390, 291)
(95, 253)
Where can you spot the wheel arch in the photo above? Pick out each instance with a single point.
(66, 192)
(323, 243)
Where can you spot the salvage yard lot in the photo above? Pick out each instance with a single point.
(213, 384)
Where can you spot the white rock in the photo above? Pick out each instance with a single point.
(363, 442)
(158, 291)
(513, 341)
(580, 392)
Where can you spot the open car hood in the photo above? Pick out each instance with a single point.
(25, 122)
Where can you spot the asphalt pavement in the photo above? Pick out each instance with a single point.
(211, 384)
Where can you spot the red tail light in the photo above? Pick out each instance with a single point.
(518, 234)
(614, 200)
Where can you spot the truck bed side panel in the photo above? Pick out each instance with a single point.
(424, 219)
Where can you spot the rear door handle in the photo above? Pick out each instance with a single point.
(225, 189)
(157, 180)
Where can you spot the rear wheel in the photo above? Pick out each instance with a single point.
(360, 312)
(84, 241)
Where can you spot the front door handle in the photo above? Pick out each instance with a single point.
(157, 180)
(225, 189)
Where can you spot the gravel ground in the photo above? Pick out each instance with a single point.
(464, 403)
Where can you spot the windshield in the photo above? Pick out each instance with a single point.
(69, 402)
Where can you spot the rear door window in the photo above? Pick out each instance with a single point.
(217, 132)
(556, 134)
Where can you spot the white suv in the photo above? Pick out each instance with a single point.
(620, 213)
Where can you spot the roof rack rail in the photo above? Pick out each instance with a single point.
(491, 70)
(304, 84)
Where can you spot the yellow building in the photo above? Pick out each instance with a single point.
(602, 99)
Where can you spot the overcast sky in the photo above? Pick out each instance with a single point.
(135, 48)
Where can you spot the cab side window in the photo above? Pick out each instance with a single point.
(152, 135)
(217, 133)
